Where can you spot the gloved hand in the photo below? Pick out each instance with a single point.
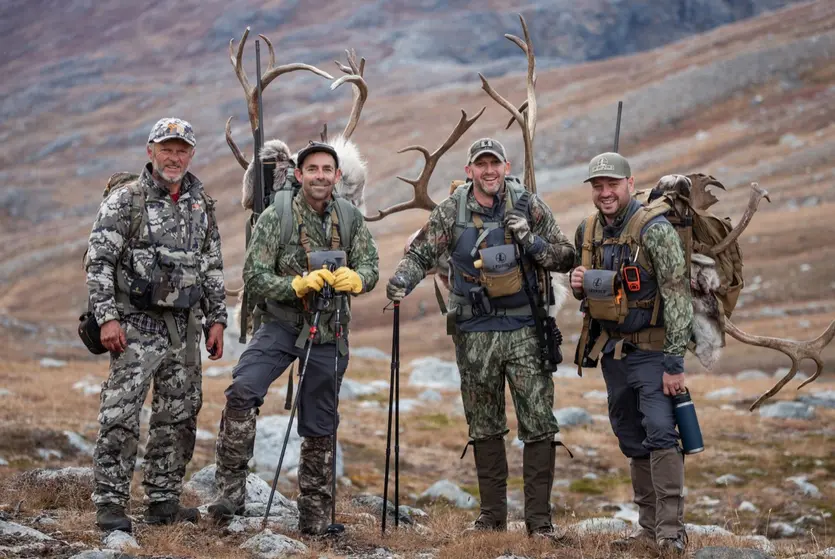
(396, 288)
(315, 280)
(518, 225)
(347, 280)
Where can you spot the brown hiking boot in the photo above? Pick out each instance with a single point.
(554, 534)
(672, 546)
(639, 538)
(111, 517)
(223, 510)
(169, 512)
(491, 467)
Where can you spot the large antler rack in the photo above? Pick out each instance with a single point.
(251, 93)
(421, 197)
(354, 76)
(525, 115)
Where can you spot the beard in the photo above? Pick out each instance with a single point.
(319, 190)
(167, 177)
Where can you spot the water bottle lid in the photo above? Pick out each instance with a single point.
(681, 399)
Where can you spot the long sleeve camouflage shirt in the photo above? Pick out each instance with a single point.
(119, 251)
(269, 268)
(663, 246)
(551, 249)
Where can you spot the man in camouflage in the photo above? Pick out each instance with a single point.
(280, 275)
(495, 339)
(642, 353)
(154, 270)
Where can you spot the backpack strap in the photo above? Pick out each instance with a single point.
(592, 236)
(631, 234)
(345, 214)
(463, 216)
(284, 208)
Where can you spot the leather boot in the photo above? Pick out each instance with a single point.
(110, 517)
(668, 481)
(315, 485)
(538, 475)
(169, 512)
(491, 467)
(235, 446)
(641, 473)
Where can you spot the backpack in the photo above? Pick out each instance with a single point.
(686, 208)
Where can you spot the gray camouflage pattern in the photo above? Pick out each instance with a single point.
(234, 449)
(315, 464)
(177, 399)
(170, 128)
(486, 360)
(115, 259)
(269, 268)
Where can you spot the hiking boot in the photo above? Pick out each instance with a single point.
(672, 546)
(538, 475)
(553, 534)
(491, 467)
(640, 537)
(111, 517)
(223, 510)
(169, 512)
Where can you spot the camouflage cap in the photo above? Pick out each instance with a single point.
(609, 164)
(172, 128)
(486, 145)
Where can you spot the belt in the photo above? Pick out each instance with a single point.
(650, 339)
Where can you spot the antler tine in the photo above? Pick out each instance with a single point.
(522, 108)
(757, 194)
(273, 73)
(272, 51)
(360, 94)
(421, 197)
(236, 151)
(237, 62)
(528, 50)
(797, 352)
(323, 135)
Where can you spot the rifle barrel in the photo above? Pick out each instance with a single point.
(617, 126)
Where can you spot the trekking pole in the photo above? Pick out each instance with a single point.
(395, 350)
(334, 528)
(617, 127)
(313, 329)
(396, 358)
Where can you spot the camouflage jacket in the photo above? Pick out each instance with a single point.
(115, 259)
(269, 268)
(551, 249)
(663, 246)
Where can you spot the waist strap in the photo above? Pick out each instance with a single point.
(648, 339)
(167, 316)
(461, 308)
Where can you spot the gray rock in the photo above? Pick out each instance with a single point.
(762, 543)
(374, 503)
(3, 462)
(13, 529)
(715, 552)
(88, 386)
(63, 475)
(596, 395)
(101, 554)
(285, 522)
(450, 492)
(50, 363)
(729, 479)
(431, 396)
(747, 506)
(49, 453)
(203, 484)
(570, 417)
(370, 353)
(119, 541)
(79, 443)
(777, 530)
(600, 526)
(267, 545)
(707, 530)
(432, 372)
(353, 390)
(823, 398)
(6, 392)
(804, 486)
(269, 438)
(216, 371)
(751, 374)
(810, 520)
(791, 141)
(722, 393)
(788, 410)
(783, 371)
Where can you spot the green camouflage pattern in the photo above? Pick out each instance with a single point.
(315, 470)
(269, 268)
(234, 448)
(485, 361)
(173, 244)
(432, 245)
(177, 399)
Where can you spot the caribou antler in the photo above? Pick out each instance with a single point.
(757, 194)
(421, 198)
(360, 94)
(797, 352)
(267, 77)
(236, 151)
(525, 115)
(323, 135)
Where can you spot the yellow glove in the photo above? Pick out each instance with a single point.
(347, 280)
(315, 280)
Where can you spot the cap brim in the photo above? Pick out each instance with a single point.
(172, 137)
(501, 157)
(608, 175)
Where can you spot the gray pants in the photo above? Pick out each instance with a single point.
(269, 353)
(641, 415)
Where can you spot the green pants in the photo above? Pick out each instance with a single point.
(485, 360)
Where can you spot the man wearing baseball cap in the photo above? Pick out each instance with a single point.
(154, 273)
(492, 324)
(631, 275)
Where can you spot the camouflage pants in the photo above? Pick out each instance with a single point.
(177, 398)
(315, 479)
(485, 360)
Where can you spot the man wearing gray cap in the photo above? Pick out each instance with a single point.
(631, 275)
(492, 323)
(154, 273)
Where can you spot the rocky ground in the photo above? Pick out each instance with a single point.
(765, 483)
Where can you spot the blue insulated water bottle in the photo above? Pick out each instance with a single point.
(688, 424)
